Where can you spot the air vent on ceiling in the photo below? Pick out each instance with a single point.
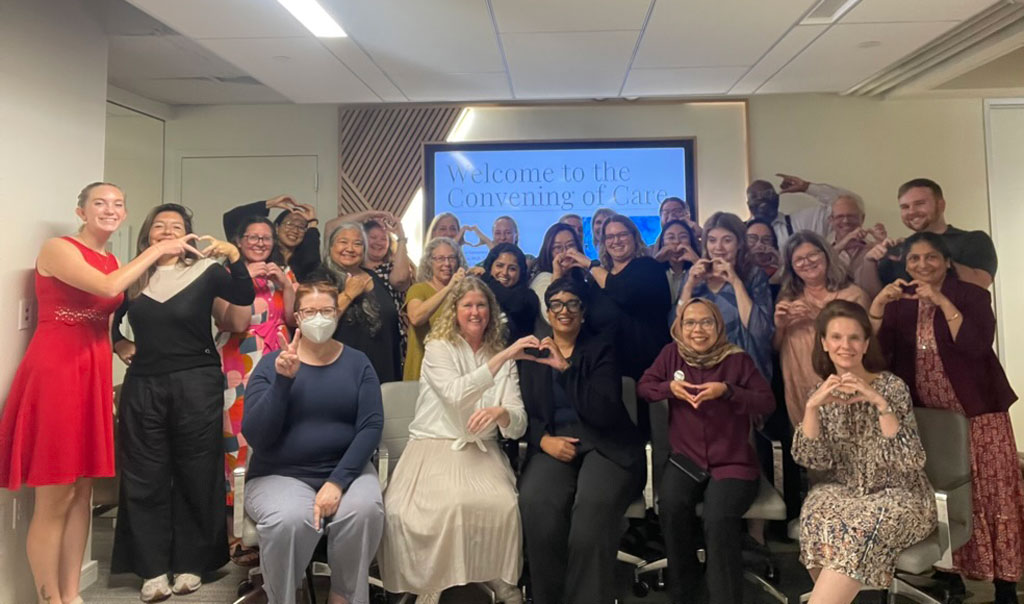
(991, 26)
(827, 12)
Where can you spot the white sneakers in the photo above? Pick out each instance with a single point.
(158, 588)
(186, 583)
(155, 589)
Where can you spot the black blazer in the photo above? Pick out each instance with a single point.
(594, 386)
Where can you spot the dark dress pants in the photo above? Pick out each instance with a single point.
(170, 517)
(572, 518)
(725, 502)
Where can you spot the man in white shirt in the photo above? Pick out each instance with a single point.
(763, 203)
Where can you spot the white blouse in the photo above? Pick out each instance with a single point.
(455, 382)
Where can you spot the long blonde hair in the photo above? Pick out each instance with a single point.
(447, 327)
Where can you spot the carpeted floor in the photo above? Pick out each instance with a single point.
(221, 587)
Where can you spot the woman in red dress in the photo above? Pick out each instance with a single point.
(938, 332)
(56, 432)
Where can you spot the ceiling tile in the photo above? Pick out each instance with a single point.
(888, 11)
(199, 91)
(775, 59)
(568, 65)
(713, 33)
(225, 18)
(835, 62)
(349, 53)
(163, 57)
(300, 68)
(569, 15)
(681, 81)
(439, 36)
(453, 87)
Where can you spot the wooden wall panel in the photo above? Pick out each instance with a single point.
(380, 159)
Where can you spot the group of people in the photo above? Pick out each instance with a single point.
(812, 324)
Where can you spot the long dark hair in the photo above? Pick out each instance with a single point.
(508, 248)
(142, 243)
(820, 361)
(275, 251)
(546, 258)
(694, 241)
(733, 224)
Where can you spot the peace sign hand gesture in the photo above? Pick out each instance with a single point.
(287, 363)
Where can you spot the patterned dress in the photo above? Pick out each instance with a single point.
(875, 500)
(996, 491)
(239, 353)
(384, 272)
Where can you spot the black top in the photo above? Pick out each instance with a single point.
(321, 425)
(970, 248)
(175, 334)
(305, 257)
(634, 303)
(593, 386)
(519, 303)
(381, 343)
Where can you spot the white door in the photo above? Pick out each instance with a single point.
(1005, 155)
(211, 186)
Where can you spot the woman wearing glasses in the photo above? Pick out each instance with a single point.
(726, 276)
(314, 417)
(561, 255)
(297, 237)
(585, 460)
(252, 334)
(368, 316)
(713, 390)
(812, 277)
(442, 267)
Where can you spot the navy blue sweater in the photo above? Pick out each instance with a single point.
(323, 424)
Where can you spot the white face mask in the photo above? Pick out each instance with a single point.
(318, 329)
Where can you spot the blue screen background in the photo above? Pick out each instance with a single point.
(537, 187)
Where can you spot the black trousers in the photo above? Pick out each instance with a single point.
(171, 512)
(571, 518)
(725, 502)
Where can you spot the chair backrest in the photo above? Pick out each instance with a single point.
(947, 442)
(399, 399)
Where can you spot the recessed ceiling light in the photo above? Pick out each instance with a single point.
(314, 18)
(869, 44)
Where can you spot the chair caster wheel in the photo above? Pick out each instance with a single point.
(641, 589)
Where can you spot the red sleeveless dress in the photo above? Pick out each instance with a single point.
(57, 424)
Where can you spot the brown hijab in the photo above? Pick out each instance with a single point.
(718, 351)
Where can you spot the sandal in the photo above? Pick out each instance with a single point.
(245, 557)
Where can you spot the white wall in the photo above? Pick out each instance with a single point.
(52, 114)
(872, 147)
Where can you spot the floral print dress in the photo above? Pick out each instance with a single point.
(239, 353)
(875, 500)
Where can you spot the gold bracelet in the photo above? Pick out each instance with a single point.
(953, 318)
(876, 318)
(887, 411)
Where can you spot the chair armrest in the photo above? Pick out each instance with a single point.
(777, 466)
(649, 485)
(238, 513)
(947, 505)
(521, 460)
(383, 465)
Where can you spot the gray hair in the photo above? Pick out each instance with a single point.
(426, 271)
(367, 312)
(857, 199)
(792, 287)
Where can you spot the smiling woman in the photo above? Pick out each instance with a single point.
(505, 274)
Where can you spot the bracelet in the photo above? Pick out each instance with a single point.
(347, 296)
(886, 411)
(876, 318)
(953, 318)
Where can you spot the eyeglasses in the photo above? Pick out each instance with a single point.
(444, 259)
(327, 312)
(301, 227)
(753, 240)
(808, 259)
(557, 306)
(257, 239)
(689, 324)
(618, 236)
(558, 249)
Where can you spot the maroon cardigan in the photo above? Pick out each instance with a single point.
(716, 434)
(970, 363)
